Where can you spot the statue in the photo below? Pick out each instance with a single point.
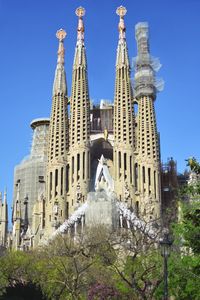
(78, 192)
(105, 134)
(103, 178)
(126, 192)
(55, 208)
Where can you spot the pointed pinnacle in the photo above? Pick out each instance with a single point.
(121, 12)
(61, 34)
(5, 195)
(80, 12)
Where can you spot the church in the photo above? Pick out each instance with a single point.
(92, 164)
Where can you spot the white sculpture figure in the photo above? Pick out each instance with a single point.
(78, 192)
(103, 178)
(55, 208)
(126, 193)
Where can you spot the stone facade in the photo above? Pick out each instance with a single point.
(79, 144)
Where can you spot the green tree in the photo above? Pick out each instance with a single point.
(184, 269)
(68, 267)
(138, 267)
(16, 267)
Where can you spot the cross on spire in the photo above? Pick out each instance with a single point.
(121, 12)
(80, 12)
(61, 34)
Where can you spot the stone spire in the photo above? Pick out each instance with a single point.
(57, 184)
(59, 85)
(147, 167)
(80, 57)
(17, 206)
(58, 132)
(5, 204)
(80, 118)
(123, 115)
(5, 197)
(80, 12)
(122, 51)
(17, 220)
(3, 219)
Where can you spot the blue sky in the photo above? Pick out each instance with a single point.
(28, 58)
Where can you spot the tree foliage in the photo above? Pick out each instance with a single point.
(102, 264)
(184, 266)
(193, 164)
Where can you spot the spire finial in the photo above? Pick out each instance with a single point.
(121, 12)
(61, 34)
(5, 195)
(80, 12)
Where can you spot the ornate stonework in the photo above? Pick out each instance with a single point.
(102, 163)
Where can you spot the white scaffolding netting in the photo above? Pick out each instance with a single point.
(137, 223)
(144, 64)
(75, 217)
(132, 221)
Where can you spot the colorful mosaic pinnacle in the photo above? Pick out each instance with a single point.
(61, 34)
(121, 11)
(80, 12)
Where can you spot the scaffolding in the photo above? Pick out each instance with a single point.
(145, 65)
(29, 175)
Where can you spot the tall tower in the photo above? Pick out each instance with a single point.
(3, 219)
(30, 173)
(80, 121)
(147, 167)
(123, 118)
(58, 146)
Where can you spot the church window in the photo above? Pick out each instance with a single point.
(143, 174)
(78, 165)
(131, 169)
(50, 183)
(56, 181)
(119, 159)
(155, 183)
(88, 161)
(125, 162)
(149, 176)
(83, 165)
(67, 178)
(61, 180)
(136, 176)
